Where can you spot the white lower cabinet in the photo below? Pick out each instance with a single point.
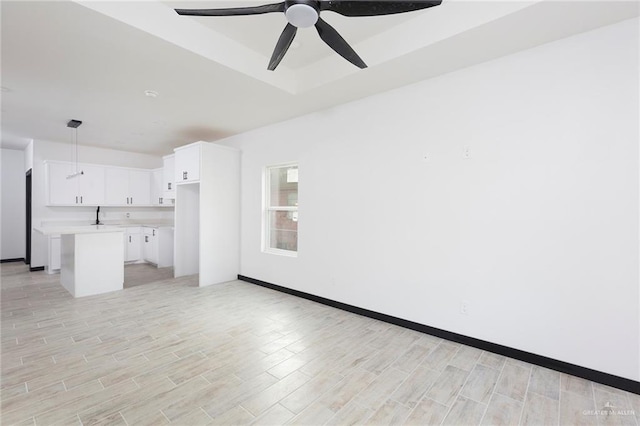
(157, 246)
(141, 244)
(54, 254)
(150, 245)
(132, 244)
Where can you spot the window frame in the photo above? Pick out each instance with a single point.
(267, 208)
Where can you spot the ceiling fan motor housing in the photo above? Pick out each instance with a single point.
(302, 13)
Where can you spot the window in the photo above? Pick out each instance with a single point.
(280, 221)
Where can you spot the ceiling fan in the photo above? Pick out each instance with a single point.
(305, 13)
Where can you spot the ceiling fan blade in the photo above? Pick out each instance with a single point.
(335, 41)
(234, 11)
(282, 46)
(375, 8)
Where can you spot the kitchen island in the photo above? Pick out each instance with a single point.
(92, 258)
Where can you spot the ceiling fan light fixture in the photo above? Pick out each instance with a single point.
(301, 15)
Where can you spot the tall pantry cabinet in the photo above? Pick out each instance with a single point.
(207, 212)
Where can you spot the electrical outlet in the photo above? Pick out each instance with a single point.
(464, 307)
(128, 215)
(466, 152)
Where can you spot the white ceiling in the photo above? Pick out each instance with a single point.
(92, 61)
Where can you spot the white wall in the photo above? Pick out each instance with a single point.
(12, 207)
(538, 231)
(46, 150)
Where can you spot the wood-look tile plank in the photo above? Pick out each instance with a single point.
(351, 414)
(195, 417)
(174, 410)
(390, 413)
(276, 415)
(576, 409)
(465, 412)
(447, 385)
(141, 410)
(545, 382)
(108, 409)
(260, 402)
(440, 357)
(466, 358)
(513, 381)
(234, 396)
(409, 360)
(427, 412)
(411, 391)
(374, 395)
(540, 410)
(234, 416)
(576, 385)
(36, 407)
(492, 360)
(480, 384)
(302, 397)
(62, 411)
(502, 410)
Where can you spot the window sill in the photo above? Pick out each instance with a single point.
(279, 252)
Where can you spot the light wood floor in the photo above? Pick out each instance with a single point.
(170, 352)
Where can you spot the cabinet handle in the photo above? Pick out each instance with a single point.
(169, 186)
(76, 199)
(81, 199)
(154, 232)
(131, 200)
(160, 200)
(184, 175)
(129, 238)
(146, 238)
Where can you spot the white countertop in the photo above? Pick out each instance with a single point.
(79, 229)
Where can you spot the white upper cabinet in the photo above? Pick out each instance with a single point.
(168, 177)
(140, 187)
(91, 185)
(117, 186)
(156, 187)
(128, 187)
(87, 189)
(187, 163)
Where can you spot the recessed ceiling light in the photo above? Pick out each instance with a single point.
(151, 93)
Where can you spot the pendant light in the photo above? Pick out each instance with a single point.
(74, 124)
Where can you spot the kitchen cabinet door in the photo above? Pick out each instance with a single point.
(139, 187)
(156, 187)
(117, 186)
(132, 245)
(187, 163)
(62, 191)
(150, 245)
(168, 177)
(91, 186)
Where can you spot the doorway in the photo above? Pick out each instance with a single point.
(27, 257)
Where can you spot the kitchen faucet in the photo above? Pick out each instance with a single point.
(98, 217)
